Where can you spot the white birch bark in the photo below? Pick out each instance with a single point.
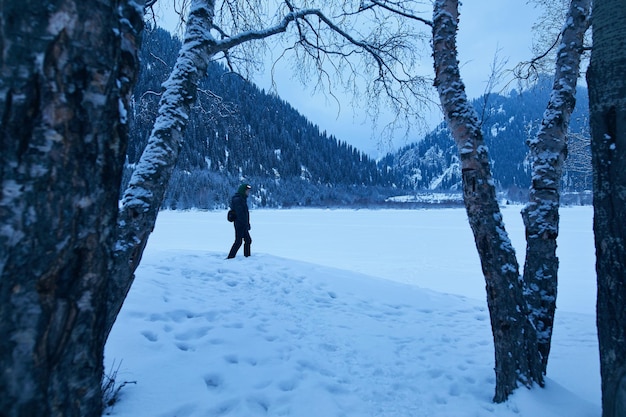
(548, 153)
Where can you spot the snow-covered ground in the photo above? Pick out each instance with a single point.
(340, 313)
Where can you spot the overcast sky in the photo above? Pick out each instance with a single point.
(485, 27)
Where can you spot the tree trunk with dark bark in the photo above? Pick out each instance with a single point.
(67, 68)
(607, 105)
(516, 355)
(548, 153)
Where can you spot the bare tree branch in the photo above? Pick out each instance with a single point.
(400, 11)
(529, 70)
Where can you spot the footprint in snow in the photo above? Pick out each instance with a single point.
(213, 381)
(288, 385)
(225, 407)
(164, 270)
(193, 333)
(232, 359)
(236, 325)
(185, 347)
(258, 404)
(151, 336)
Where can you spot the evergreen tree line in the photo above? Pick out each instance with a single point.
(238, 132)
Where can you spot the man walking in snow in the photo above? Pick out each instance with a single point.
(239, 203)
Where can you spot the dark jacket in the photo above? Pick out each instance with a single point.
(239, 203)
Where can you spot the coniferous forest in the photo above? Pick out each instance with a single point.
(507, 123)
(238, 132)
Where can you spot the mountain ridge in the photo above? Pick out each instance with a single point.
(239, 133)
(508, 121)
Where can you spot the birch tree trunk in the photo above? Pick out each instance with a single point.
(607, 104)
(548, 153)
(144, 194)
(67, 68)
(516, 355)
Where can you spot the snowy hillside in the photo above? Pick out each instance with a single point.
(508, 121)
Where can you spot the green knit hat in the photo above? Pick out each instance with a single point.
(242, 189)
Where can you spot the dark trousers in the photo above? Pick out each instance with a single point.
(241, 235)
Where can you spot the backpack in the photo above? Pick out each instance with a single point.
(230, 216)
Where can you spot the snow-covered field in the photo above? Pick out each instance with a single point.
(340, 313)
